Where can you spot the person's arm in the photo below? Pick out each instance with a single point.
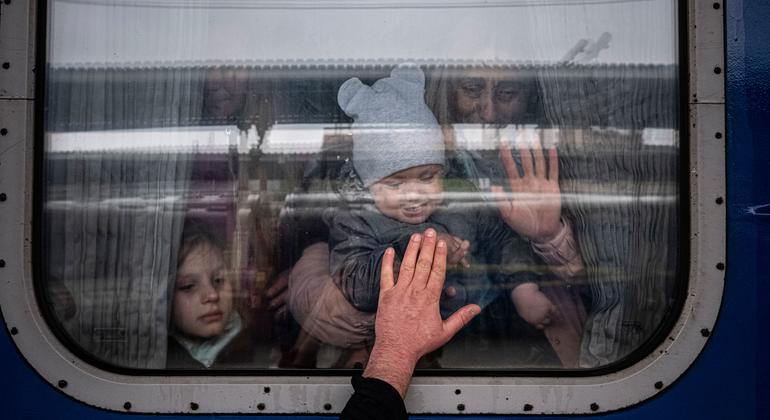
(374, 399)
(533, 208)
(408, 326)
(561, 253)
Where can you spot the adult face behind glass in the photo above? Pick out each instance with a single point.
(224, 94)
(483, 97)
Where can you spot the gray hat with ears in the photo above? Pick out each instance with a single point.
(394, 129)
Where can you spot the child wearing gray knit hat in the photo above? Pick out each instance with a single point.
(398, 154)
(394, 129)
(398, 147)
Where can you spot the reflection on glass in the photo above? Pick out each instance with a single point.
(220, 199)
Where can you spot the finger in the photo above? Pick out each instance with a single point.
(453, 245)
(277, 301)
(386, 272)
(453, 242)
(553, 162)
(525, 153)
(425, 262)
(546, 322)
(460, 254)
(406, 272)
(498, 195)
(450, 292)
(465, 263)
(438, 271)
(554, 314)
(458, 320)
(461, 249)
(463, 253)
(281, 283)
(508, 163)
(537, 151)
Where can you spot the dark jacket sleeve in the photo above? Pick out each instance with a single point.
(356, 257)
(373, 399)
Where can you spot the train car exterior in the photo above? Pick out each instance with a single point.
(710, 362)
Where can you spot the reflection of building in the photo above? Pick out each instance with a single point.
(109, 98)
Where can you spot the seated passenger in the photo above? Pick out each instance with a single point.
(206, 329)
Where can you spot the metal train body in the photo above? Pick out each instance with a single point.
(713, 363)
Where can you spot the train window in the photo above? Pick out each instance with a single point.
(218, 182)
(213, 209)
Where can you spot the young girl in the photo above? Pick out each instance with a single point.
(206, 330)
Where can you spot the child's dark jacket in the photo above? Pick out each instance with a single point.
(499, 258)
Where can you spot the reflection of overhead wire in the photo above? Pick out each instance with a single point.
(342, 4)
(586, 51)
(574, 51)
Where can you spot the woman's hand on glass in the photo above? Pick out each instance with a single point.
(533, 206)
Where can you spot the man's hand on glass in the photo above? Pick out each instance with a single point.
(408, 323)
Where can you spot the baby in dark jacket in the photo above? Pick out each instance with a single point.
(398, 153)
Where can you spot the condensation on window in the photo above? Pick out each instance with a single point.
(219, 189)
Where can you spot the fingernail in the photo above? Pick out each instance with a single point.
(441, 244)
(430, 233)
(416, 237)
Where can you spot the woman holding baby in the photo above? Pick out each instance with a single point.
(408, 177)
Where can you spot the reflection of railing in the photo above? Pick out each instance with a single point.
(190, 139)
(305, 139)
(470, 199)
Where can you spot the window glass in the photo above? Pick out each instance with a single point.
(221, 178)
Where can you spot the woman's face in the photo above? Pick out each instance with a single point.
(224, 93)
(481, 98)
(203, 296)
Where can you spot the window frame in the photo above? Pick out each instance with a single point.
(325, 394)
